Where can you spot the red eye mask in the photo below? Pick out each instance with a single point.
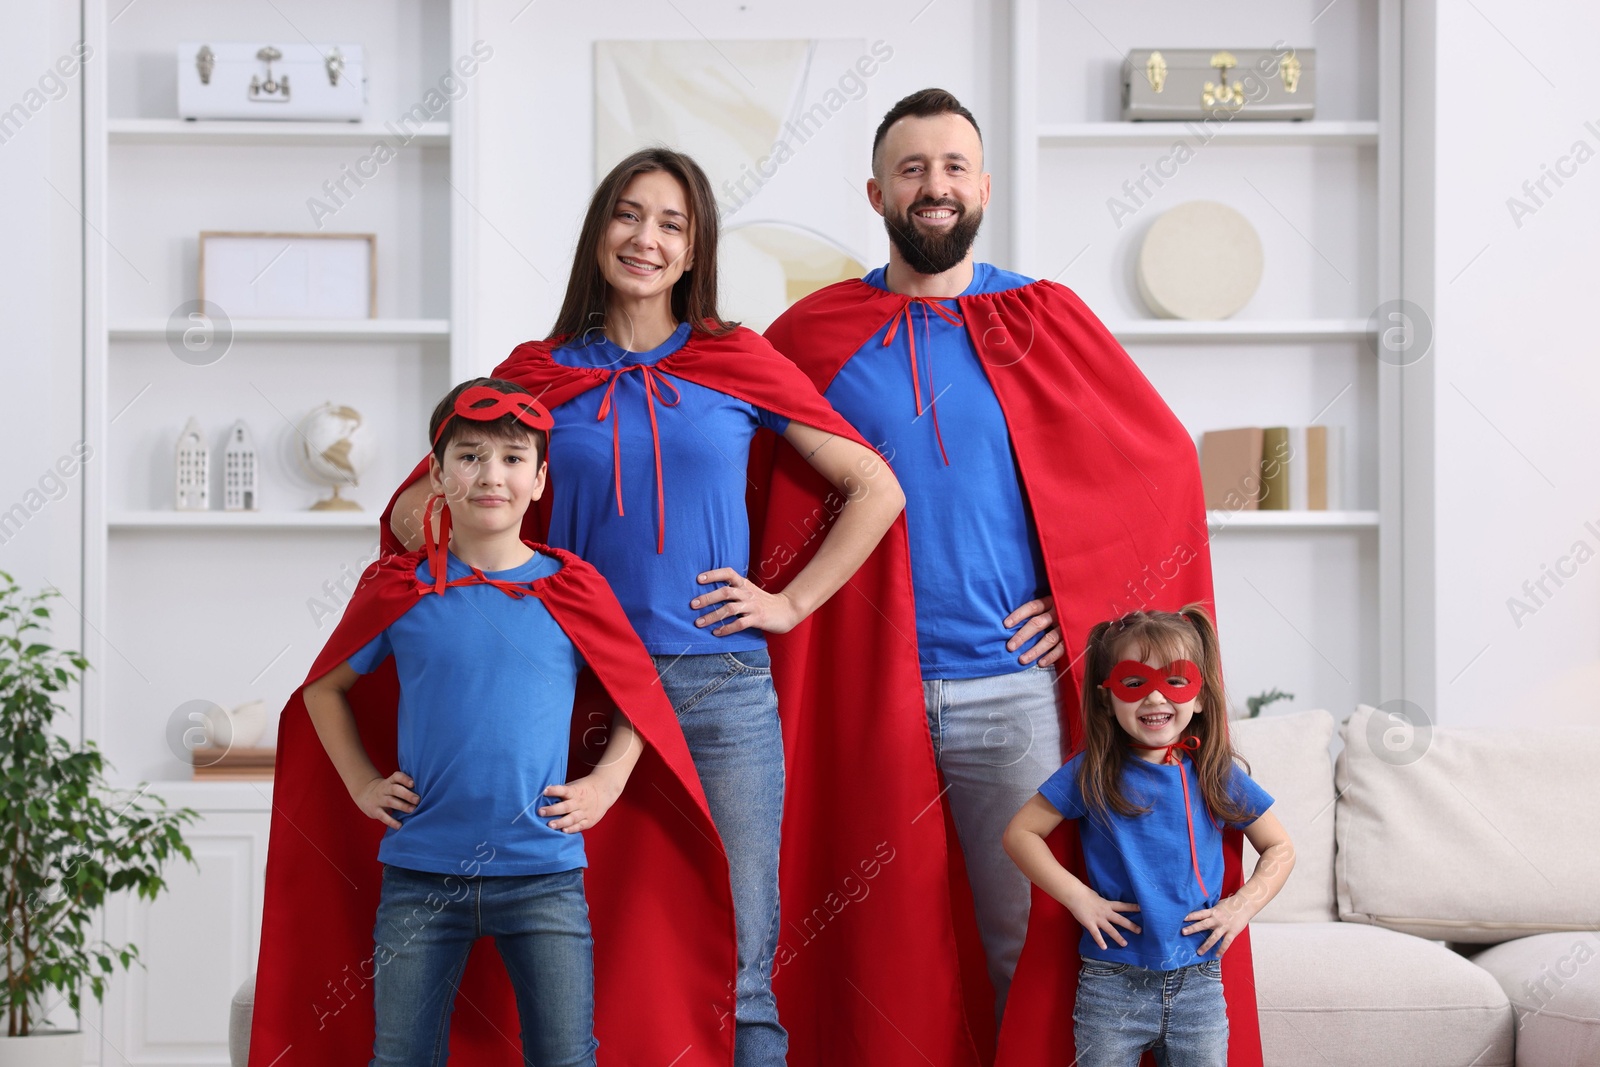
(1131, 680)
(484, 403)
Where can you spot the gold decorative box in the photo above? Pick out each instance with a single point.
(1201, 83)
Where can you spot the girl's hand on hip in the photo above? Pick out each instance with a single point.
(1101, 917)
(581, 803)
(1225, 921)
(743, 604)
(1041, 619)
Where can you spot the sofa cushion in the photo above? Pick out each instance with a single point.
(1335, 994)
(1288, 757)
(1466, 835)
(1556, 995)
(239, 1018)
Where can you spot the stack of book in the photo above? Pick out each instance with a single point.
(1273, 468)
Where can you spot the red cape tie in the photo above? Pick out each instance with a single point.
(954, 318)
(439, 563)
(655, 386)
(1190, 744)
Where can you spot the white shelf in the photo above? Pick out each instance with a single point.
(299, 329)
(226, 132)
(243, 520)
(1235, 132)
(1262, 331)
(1292, 520)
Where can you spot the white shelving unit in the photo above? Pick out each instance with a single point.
(231, 606)
(1324, 194)
(222, 132)
(1101, 134)
(241, 520)
(155, 329)
(1265, 331)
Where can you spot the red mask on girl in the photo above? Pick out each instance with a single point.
(1131, 680)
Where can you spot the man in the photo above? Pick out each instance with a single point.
(1048, 488)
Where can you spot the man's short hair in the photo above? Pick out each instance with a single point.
(924, 103)
(506, 428)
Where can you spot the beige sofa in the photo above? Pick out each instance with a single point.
(1415, 839)
(1412, 839)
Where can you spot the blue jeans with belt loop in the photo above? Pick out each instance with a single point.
(1124, 1009)
(996, 740)
(728, 710)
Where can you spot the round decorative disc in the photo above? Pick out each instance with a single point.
(1200, 261)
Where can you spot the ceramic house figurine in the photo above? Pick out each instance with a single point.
(240, 471)
(193, 472)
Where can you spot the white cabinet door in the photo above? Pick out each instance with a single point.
(198, 942)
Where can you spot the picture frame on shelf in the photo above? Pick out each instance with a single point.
(272, 275)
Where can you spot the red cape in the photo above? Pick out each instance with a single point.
(653, 858)
(1114, 486)
(867, 968)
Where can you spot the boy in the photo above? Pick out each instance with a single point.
(483, 836)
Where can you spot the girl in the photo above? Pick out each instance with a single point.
(656, 400)
(1150, 825)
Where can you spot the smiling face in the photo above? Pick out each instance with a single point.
(928, 184)
(648, 243)
(1153, 720)
(488, 481)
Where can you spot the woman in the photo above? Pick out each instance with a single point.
(656, 400)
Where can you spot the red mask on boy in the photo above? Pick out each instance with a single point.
(1146, 676)
(471, 405)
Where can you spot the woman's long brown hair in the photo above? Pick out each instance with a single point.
(694, 296)
(1171, 635)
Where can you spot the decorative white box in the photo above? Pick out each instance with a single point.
(237, 80)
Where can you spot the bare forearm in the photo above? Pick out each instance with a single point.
(336, 726)
(1033, 857)
(406, 519)
(621, 753)
(1272, 871)
(861, 524)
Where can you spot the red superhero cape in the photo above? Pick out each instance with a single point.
(652, 858)
(867, 969)
(1114, 486)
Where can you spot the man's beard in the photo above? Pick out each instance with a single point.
(934, 253)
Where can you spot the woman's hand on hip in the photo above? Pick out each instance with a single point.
(741, 604)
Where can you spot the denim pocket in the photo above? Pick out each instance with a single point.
(751, 661)
(1102, 969)
(1211, 969)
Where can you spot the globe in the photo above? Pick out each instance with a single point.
(335, 447)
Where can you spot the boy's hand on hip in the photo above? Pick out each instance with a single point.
(1225, 921)
(1040, 616)
(580, 803)
(1101, 917)
(377, 796)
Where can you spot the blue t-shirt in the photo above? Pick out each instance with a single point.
(486, 684)
(974, 550)
(705, 453)
(1144, 859)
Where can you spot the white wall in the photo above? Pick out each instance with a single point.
(41, 347)
(534, 120)
(1515, 376)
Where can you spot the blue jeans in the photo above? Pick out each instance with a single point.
(427, 924)
(728, 710)
(996, 740)
(1123, 1010)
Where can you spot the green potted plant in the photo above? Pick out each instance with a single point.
(66, 841)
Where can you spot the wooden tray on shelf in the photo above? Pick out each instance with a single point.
(252, 764)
